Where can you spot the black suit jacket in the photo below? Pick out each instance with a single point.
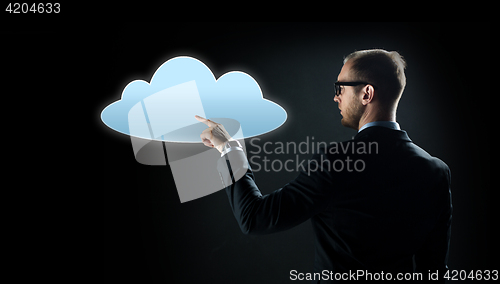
(390, 212)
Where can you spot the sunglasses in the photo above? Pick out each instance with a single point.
(338, 90)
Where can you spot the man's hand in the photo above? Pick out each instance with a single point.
(215, 136)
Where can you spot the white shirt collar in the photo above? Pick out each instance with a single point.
(388, 124)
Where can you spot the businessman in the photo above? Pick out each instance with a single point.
(392, 217)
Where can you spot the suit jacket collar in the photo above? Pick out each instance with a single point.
(382, 133)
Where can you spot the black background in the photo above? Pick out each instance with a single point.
(108, 217)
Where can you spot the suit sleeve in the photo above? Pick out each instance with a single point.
(433, 255)
(294, 203)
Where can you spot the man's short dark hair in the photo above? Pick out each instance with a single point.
(383, 69)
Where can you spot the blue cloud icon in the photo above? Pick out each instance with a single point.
(183, 87)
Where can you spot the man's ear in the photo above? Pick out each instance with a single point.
(368, 94)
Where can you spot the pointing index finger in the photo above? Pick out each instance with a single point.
(208, 122)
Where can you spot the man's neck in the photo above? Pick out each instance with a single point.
(374, 115)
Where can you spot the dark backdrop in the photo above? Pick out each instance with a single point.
(443, 109)
(126, 219)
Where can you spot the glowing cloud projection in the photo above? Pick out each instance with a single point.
(184, 87)
(161, 112)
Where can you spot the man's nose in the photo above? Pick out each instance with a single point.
(336, 99)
